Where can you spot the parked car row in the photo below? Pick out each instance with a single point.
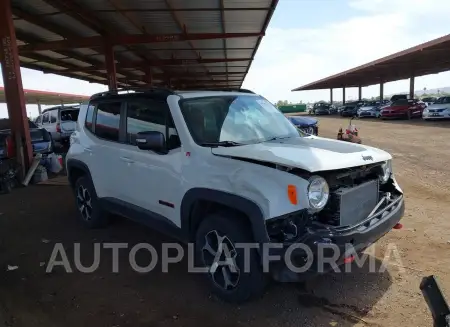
(399, 106)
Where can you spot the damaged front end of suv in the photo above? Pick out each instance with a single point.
(349, 209)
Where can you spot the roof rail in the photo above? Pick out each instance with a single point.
(231, 90)
(144, 89)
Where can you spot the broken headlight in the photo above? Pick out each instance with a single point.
(386, 171)
(318, 193)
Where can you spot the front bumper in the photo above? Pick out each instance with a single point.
(367, 114)
(435, 115)
(334, 242)
(393, 114)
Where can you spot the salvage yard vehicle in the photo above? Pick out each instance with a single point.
(225, 168)
(370, 109)
(403, 109)
(350, 109)
(306, 124)
(440, 109)
(41, 142)
(321, 108)
(59, 121)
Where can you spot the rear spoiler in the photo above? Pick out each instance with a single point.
(436, 301)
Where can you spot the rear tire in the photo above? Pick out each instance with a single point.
(239, 286)
(90, 212)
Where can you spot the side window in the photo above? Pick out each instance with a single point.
(107, 124)
(150, 115)
(53, 116)
(45, 118)
(89, 117)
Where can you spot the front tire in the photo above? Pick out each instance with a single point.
(90, 212)
(230, 283)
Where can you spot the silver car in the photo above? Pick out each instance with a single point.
(440, 109)
(370, 110)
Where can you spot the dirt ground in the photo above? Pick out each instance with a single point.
(33, 219)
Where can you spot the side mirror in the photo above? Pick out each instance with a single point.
(151, 140)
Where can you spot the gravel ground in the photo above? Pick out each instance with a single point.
(33, 219)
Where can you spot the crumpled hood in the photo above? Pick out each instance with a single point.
(308, 153)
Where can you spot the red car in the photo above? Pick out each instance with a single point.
(403, 109)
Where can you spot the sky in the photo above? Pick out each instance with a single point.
(311, 39)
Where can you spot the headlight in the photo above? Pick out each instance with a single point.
(318, 193)
(387, 171)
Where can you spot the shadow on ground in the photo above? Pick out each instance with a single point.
(34, 219)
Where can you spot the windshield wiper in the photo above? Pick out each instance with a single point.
(221, 143)
(275, 138)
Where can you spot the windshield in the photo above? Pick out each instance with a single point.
(241, 119)
(442, 100)
(402, 102)
(372, 104)
(321, 104)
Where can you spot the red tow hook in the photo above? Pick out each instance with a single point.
(398, 226)
(349, 259)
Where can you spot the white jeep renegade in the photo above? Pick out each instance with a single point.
(224, 167)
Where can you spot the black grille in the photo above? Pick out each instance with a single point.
(344, 187)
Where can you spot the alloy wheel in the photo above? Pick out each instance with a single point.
(84, 202)
(219, 256)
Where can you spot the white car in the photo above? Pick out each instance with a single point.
(217, 168)
(59, 121)
(440, 109)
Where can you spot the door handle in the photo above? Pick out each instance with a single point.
(88, 149)
(126, 159)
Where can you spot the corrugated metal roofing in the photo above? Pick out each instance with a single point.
(41, 21)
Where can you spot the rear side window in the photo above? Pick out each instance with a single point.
(45, 119)
(89, 117)
(107, 123)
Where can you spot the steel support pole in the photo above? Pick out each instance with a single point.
(381, 91)
(12, 80)
(110, 67)
(360, 93)
(343, 95)
(331, 96)
(39, 107)
(149, 76)
(411, 87)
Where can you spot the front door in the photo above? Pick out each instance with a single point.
(153, 180)
(105, 166)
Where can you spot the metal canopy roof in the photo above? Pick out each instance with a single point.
(179, 43)
(47, 98)
(428, 58)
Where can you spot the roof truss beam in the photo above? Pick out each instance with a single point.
(159, 62)
(98, 41)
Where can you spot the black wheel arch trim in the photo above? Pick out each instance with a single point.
(74, 163)
(248, 207)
